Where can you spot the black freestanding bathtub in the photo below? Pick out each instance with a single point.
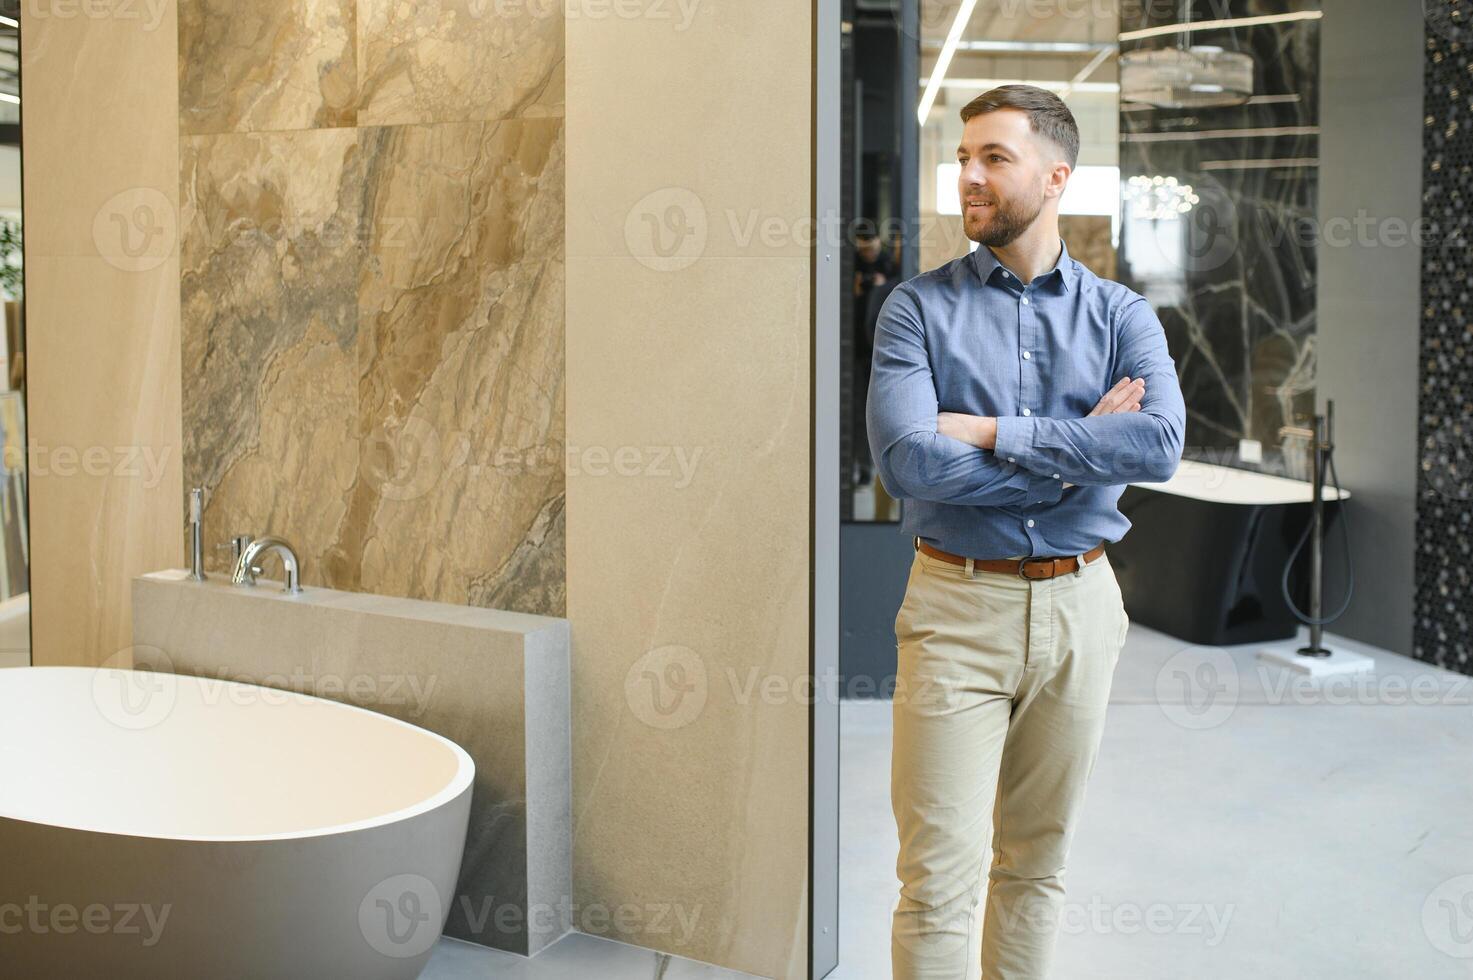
(1204, 555)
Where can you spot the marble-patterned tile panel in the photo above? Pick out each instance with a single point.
(461, 367)
(271, 252)
(459, 60)
(267, 65)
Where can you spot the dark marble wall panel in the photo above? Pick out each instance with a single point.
(373, 314)
(1443, 626)
(1233, 279)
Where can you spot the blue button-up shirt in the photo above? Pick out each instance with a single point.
(970, 337)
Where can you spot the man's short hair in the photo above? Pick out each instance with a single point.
(1048, 116)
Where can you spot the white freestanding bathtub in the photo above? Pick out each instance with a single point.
(160, 825)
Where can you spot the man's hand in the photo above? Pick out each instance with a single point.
(1124, 397)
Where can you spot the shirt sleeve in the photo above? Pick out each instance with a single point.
(1122, 447)
(915, 461)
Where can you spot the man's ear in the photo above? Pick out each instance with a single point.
(1058, 178)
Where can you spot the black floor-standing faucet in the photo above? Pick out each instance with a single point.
(1322, 448)
(1322, 461)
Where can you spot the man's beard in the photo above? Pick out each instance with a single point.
(1010, 219)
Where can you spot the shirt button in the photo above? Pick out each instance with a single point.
(1030, 522)
(1025, 355)
(1011, 460)
(1026, 412)
(1056, 476)
(1025, 300)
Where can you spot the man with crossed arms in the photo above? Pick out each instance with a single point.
(992, 415)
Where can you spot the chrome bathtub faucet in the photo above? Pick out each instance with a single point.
(251, 551)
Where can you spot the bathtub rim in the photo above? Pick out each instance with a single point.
(1276, 490)
(459, 784)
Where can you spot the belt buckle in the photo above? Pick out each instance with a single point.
(1023, 563)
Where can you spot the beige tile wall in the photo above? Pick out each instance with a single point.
(100, 161)
(688, 329)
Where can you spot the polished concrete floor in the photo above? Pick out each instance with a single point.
(1239, 824)
(577, 956)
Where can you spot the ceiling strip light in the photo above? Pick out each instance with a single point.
(1211, 134)
(1086, 71)
(1212, 25)
(1286, 162)
(943, 60)
(1052, 84)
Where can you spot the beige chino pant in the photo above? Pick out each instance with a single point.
(1000, 701)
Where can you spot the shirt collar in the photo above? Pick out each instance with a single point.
(1066, 270)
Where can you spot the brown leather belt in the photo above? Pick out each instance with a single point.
(1029, 568)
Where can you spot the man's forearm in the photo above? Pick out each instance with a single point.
(979, 431)
(931, 466)
(975, 430)
(1098, 450)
